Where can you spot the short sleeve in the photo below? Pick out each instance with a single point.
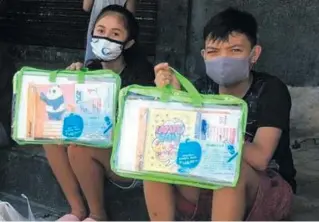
(140, 73)
(275, 105)
(145, 74)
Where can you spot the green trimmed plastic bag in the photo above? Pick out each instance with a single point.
(179, 137)
(62, 107)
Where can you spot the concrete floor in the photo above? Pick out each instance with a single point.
(306, 202)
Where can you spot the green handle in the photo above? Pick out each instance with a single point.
(80, 75)
(53, 75)
(197, 99)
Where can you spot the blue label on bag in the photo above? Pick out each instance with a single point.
(189, 155)
(73, 126)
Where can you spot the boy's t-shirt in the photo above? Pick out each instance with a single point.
(269, 105)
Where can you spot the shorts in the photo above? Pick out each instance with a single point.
(273, 201)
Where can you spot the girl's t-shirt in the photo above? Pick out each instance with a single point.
(141, 72)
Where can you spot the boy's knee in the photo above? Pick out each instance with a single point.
(248, 179)
(151, 185)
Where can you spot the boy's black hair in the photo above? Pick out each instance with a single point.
(220, 26)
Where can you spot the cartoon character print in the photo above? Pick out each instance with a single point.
(167, 141)
(54, 100)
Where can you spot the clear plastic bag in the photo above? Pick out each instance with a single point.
(179, 137)
(9, 213)
(63, 107)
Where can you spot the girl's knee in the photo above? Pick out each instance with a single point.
(79, 151)
(54, 151)
(52, 147)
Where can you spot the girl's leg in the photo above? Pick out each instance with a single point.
(59, 162)
(90, 166)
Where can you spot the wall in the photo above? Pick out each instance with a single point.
(288, 33)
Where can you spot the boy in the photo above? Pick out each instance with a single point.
(267, 175)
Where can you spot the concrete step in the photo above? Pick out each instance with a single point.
(24, 170)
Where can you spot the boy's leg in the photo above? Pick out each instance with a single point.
(257, 196)
(160, 201)
(231, 203)
(59, 162)
(273, 200)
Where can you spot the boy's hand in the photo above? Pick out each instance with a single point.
(164, 76)
(75, 66)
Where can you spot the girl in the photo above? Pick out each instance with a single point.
(83, 168)
(95, 6)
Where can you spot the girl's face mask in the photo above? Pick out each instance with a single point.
(106, 49)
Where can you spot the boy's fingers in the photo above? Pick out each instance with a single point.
(161, 66)
(70, 67)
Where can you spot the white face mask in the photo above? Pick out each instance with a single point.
(106, 49)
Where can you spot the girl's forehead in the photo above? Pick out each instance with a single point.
(112, 19)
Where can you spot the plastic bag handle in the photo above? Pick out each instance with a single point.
(187, 85)
(80, 75)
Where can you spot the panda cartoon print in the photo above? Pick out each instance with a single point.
(54, 101)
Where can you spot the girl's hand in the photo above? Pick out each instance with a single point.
(75, 66)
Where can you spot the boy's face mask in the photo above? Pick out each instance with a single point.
(106, 49)
(227, 71)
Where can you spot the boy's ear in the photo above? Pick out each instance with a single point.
(203, 53)
(256, 53)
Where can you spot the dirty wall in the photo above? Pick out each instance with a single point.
(289, 36)
(288, 33)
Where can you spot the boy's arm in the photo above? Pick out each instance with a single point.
(273, 119)
(87, 5)
(131, 5)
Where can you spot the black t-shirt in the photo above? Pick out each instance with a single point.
(269, 105)
(141, 72)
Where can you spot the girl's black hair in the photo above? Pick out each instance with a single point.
(130, 21)
(134, 53)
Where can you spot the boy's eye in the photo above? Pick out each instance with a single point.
(212, 51)
(236, 50)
